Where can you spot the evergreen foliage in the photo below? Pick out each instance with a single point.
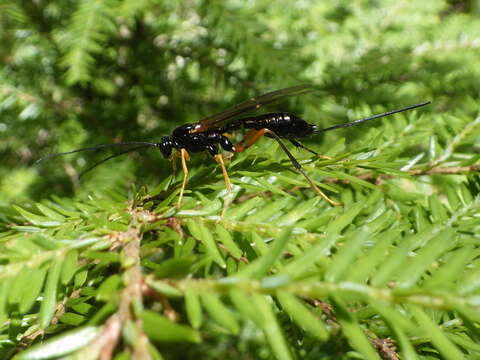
(109, 268)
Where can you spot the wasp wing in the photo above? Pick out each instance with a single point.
(219, 119)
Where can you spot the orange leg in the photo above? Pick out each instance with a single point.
(226, 178)
(227, 135)
(184, 156)
(247, 136)
(228, 184)
(250, 138)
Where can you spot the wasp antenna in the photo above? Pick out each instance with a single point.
(96, 147)
(111, 157)
(373, 117)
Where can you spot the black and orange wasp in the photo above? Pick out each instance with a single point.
(212, 134)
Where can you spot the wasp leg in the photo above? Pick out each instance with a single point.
(184, 156)
(297, 166)
(174, 168)
(226, 178)
(228, 184)
(300, 145)
(250, 138)
(228, 136)
(253, 136)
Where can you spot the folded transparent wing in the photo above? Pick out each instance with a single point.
(223, 117)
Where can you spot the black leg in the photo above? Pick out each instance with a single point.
(300, 145)
(297, 166)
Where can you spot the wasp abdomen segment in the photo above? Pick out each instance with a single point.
(284, 125)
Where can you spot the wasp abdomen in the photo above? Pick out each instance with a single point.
(283, 124)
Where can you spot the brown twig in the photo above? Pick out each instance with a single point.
(131, 295)
(386, 348)
(378, 179)
(446, 170)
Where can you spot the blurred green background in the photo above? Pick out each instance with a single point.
(79, 73)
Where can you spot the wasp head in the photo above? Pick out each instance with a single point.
(166, 146)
